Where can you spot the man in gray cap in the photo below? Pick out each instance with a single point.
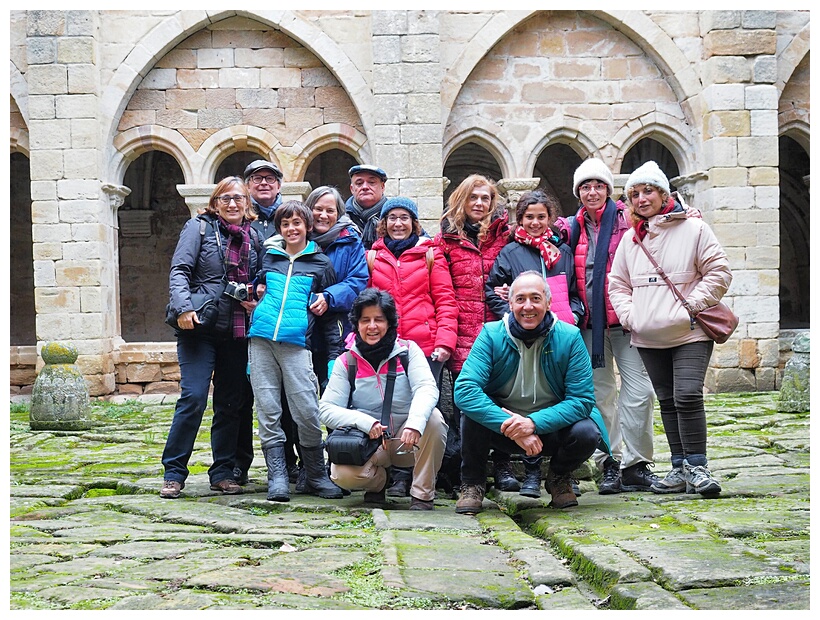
(365, 205)
(264, 180)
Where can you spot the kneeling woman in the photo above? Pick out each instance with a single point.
(416, 433)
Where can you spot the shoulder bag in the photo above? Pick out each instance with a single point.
(718, 321)
(350, 446)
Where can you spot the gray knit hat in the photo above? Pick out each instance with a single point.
(649, 173)
(592, 168)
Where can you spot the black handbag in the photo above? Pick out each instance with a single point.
(205, 306)
(348, 445)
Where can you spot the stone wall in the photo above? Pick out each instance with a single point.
(94, 91)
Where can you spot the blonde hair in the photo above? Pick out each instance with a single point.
(456, 215)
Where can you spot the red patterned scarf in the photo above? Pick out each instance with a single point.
(237, 268)
(543, 243)
(642, 226)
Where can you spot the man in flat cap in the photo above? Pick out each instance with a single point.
(264, 180)
(365, 205)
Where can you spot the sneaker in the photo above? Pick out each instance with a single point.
(559, 487)
(420, 504)
(472, 497)
(400, 488)
(699, 479)
(170, 489)
(611, 481)
(674, 482)
(503, 477)
(637, 477)
(228, 486)
(531, 487)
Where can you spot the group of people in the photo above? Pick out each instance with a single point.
(328, 309)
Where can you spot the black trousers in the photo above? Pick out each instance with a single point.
(567, 447)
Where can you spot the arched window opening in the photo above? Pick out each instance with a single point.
(555, 166)
(21, 285)
(469, 159)
(150, 222)
(234, 165)
(794, 235)
(330, 168)
(648, 149)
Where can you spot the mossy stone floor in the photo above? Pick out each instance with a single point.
(89, 531)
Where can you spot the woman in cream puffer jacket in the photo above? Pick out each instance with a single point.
(674, 349)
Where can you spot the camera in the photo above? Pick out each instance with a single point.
(238, 291)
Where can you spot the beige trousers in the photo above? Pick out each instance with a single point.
(426, 461)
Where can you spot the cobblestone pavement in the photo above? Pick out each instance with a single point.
(89, 531)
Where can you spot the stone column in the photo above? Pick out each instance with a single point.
(510, 191)
(406, 85)
(741, 201)
(73, 227)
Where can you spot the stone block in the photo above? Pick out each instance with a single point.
(728, 177)
(136, 118)
(178, 59)
(90, 299)
(50, 134)
(78, 189)
(46, 164)
(176, 119)
(764, 123)
(764, 70)
(41, 107)
(726, 355)
(82, 78)
(78, 273)
(762, 257)
(720, 152)
(224, 98)
(766, 379)
(99, 385)
(421, 134)
(724, 97)
(147, 100)
(744, 282)
(160, 79)
(300, 57)
(760, 308)
(749, 356)
(214, 58)
(47, 79)
(47, 251)
(738, 198)
(757, 151)
(759, 19)
(41, 51)
(128, 389)
(761, 97)
(184, 99)
(719, 20)
(420, 48)
(72, 50)
(162, 387)
(424, 108)
(388, 22)
(769, 351)
(88, 232)
(81, 163)
(763, 175)
(296, 97)
(347, 115)
(280, 77)
(266, 57)
(763, 330)
(730, 380)
(739, 43)
(727, 123)
(386, 49)
(264, 117)
(170, 372)
(218, 118)
(243, 77)
(196, 78)
(331, 96)
(57, 299)
(143, 373)
(319, 77)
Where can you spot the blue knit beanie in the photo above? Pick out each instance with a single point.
(400, 202)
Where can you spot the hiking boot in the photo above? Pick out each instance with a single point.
(227, 486)
(170, 489)
(316, 479)
(293, 473)
(278, 487)
(400, 488)
(503, 477)
(699, 479)
(531, 486)
(637, 477)
(559, 487)
(420, 504)
(674, 482)
(470, 502)
(611, 481)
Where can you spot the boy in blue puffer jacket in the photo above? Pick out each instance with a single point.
(293, 271)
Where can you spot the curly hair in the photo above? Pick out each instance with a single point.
(637, 219)
(534, 197)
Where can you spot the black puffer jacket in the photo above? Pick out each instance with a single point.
(197, 268)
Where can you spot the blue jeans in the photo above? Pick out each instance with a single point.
(568, 447)
(677, 375)
(232, 426)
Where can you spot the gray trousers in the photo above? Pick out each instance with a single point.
(627, 414)
(278, 367)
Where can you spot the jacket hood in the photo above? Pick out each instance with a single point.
(278, 247)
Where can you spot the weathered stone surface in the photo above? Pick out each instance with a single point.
(775, 596)
(565, 598)
(59, 400)
(795, 387)
(646, 595)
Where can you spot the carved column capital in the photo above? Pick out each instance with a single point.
(116, 194)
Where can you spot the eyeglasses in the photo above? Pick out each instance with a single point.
(226, 199)
(270, 180)
(406, 449)
(398, 218)
(598, 187)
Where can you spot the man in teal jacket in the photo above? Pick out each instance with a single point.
(526, 388)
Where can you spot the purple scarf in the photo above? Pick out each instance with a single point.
(237, 269)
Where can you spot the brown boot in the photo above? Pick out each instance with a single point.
(559, 487)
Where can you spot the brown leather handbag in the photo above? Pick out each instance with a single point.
(718, 321)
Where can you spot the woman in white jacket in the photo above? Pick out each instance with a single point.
(674, 349)
(416, 433)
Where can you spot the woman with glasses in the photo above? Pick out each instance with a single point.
(415, 434)
(214, 249)
(406, 263)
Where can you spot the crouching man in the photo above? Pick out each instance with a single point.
(526, 388)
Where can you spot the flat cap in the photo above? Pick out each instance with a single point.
(368, 168)
(261, 164)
